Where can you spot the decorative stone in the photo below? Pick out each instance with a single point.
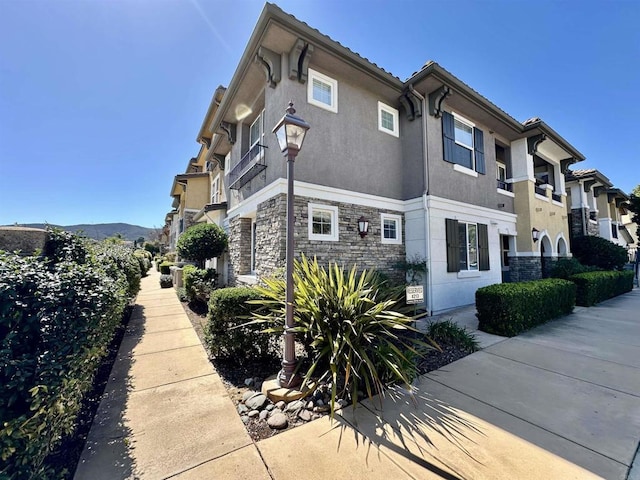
(295, 405)
(310, 405)
(316, 416)
(256, 402)
(281, 405)
(269, 407)
(304, 415)
(245, 419)
(242, 409)
(320, 402)
(341, 402)
(248, 394)
(278, 421)
(264, 414)
(253, 414)
(249, 382)
(322, 409)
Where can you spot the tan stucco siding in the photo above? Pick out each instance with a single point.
(533, 212)
(197, 195)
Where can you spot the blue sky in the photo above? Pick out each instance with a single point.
(101, 100)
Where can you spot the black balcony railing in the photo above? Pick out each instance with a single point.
(250, 165)
(557, 197)
(593, 216)
(502, 185)
(614, 230)
(541, 191)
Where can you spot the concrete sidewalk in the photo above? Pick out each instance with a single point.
(562, 401)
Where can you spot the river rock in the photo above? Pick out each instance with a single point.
(256, 402)
(278, 421)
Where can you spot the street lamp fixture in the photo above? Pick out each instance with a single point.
(535, 234)
(290, 132)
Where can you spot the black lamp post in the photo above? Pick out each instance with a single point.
(290, 132)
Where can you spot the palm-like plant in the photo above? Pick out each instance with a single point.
(349, 325)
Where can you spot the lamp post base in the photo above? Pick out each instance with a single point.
(288, 379)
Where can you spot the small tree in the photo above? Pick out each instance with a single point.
(202, 241)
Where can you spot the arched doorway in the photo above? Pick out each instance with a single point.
(545, 254)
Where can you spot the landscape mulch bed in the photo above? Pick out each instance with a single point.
(234, 375)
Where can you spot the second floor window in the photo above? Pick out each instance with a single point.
(388, 119)
(256, 131)
(463, 142)
(322, 91)
(215, 190)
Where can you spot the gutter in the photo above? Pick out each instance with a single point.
(427, 227)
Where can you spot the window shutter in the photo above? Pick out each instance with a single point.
(453, 246)
(448, 137)
(483, 247)
(478, 145)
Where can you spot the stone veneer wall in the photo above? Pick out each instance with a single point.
(522, 269)
(188, 219)
(239, 248)
(368, 252)
(580, 217)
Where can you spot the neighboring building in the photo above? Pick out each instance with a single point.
(438, 171)
(597, 208)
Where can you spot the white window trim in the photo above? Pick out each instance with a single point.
(468, 269)
(383, 107)
(468, 123)
(215, 190)
(334, 222)
(467, 171)
(398, 220)
(334, 91)
(506, 193)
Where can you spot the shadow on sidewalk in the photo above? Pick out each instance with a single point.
(107, 452)
(414, 426)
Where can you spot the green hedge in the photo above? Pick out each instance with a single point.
(57, 318)
(594, 287)
(198, 282)
(599, 252)
(225, 333)
(511, 308)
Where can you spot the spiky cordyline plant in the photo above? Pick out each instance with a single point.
(351, 329)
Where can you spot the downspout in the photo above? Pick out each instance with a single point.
(425, 201)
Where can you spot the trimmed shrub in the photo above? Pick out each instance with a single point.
(448, 332)
(594, 287)
(599, 252)
(511, 308)
(56, 322)
(118, 259)
(227, 333)
(166, 281)
(565, 267)
(199, 283)
(165, 267)
(201, 242)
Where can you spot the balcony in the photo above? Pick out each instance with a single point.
(556, 197)
(541, 191)
(502, 185)
(251, 164)
(593, 216)
(614, 230)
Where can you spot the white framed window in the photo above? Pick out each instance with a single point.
(463, 136)
(322, 91)
(256, 131)
(227, 163)
(391, 228)
(323, 222)
(388, 120)
(468, 243)
(216, 194)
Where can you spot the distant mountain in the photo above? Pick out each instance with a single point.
(100, 231)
